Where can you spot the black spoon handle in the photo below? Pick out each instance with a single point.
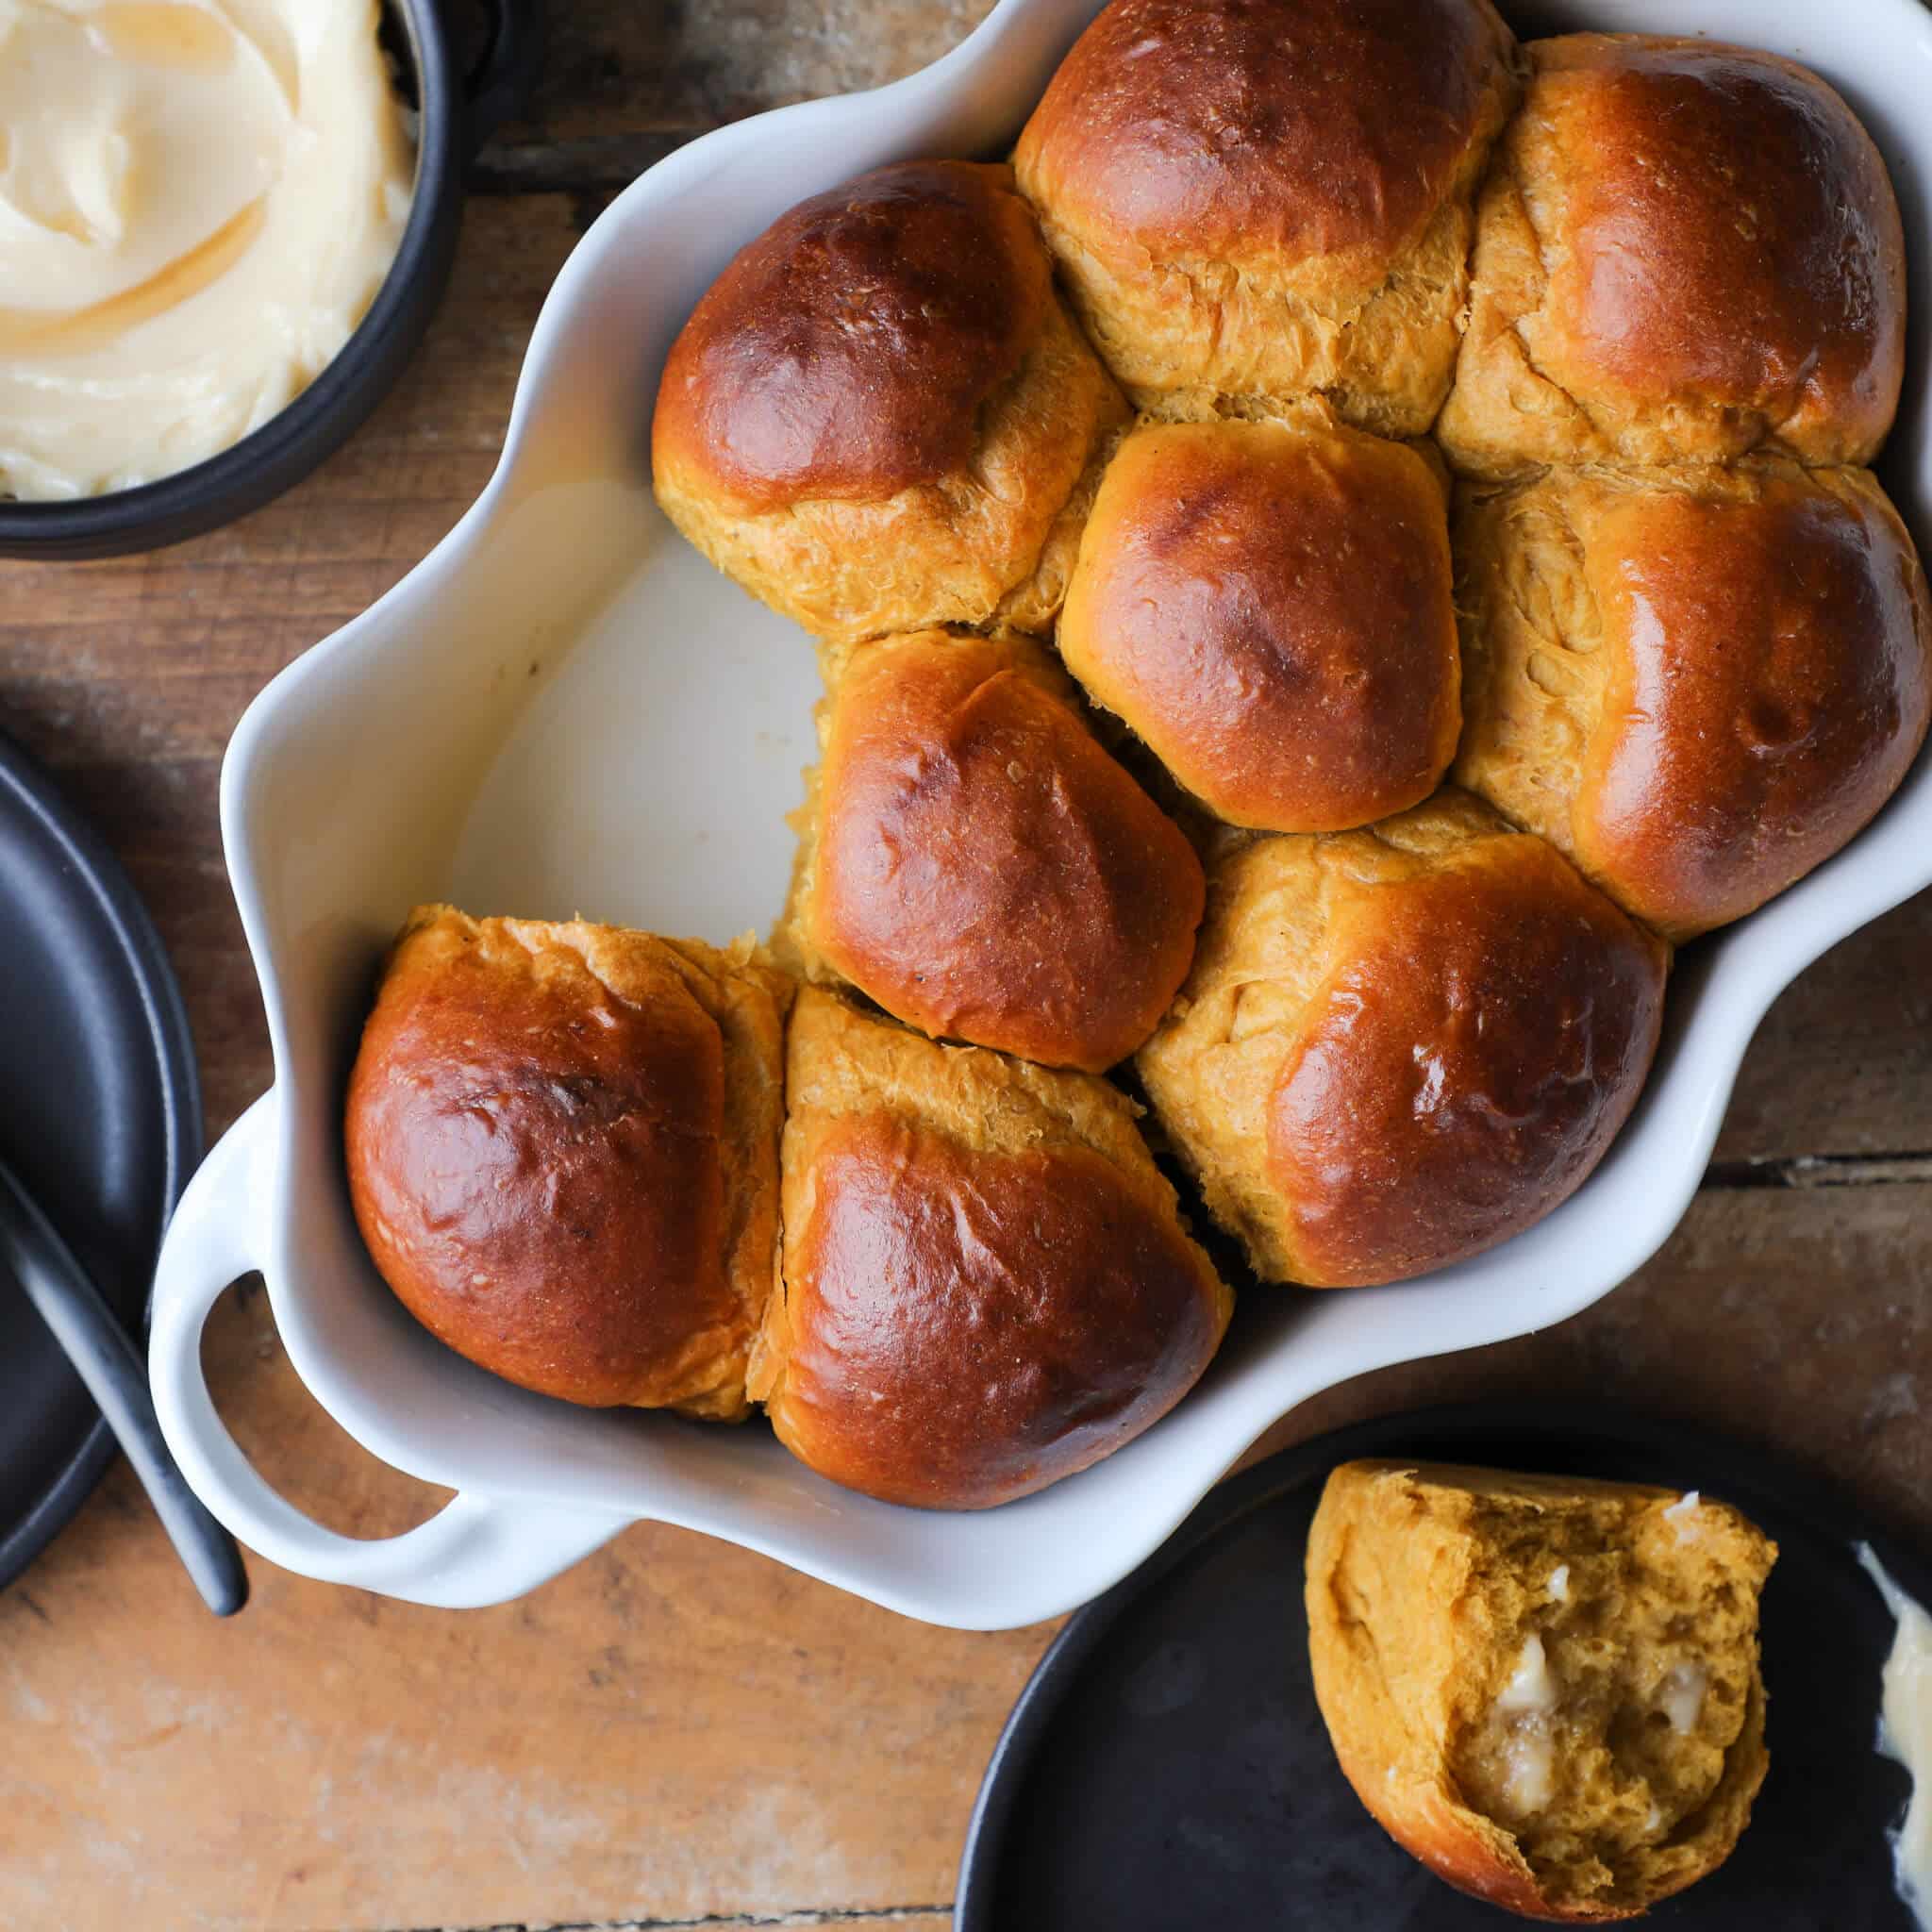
(105, 1359)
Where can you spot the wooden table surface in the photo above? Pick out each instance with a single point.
(678, 1732)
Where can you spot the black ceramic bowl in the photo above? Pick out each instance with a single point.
(457, 113)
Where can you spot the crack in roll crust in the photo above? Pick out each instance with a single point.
(880, 416)
(1685, 251)
(1697, 683)
(562, 1153)
(1252, 198)
(1401, 1046)
(1546, 1689)
(1267, 608)
(986, 1283)
(980, 866)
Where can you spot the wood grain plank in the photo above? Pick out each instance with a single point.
(896, 1920)
(674, 1730)
(1843, 1061)
(614, 68)
(679, 1728)
(1799, 1321)
(625, 85)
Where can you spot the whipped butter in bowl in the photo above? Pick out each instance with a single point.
(198, 203)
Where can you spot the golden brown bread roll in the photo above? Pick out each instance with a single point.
(1546, 1689)
(1399, 1046)
(977, 863)
(1268, 606)
(1697, 682)
(987, 1285)
(563, 1153)
(1265, 198)
(880, 416)
(1684, 250)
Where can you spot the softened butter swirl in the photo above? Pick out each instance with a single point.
(199, 200)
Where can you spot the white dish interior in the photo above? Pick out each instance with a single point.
(564, 710)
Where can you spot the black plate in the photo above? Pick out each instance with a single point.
(100, 1115)
(1167, 1767)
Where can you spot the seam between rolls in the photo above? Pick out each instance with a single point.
(1507, 169)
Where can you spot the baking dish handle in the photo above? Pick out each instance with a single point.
(476, 1550)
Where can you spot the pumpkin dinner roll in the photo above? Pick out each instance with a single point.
(562, 1149)
(1258, 199)
(978, 864)
(880, 416)
(1399, 1046)
(1698, 682)
(1685, 250)
(1268, 607)
(987, 1285)
(1546, 1689)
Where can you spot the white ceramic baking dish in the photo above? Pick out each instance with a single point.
(563, 708)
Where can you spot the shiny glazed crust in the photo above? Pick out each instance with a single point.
(1399, 1046)
(1698, 683)
(1422, 1583)
(1267, 198)
(980, 866)
(880, 416)
(1411, 1027)
(985, 1286)
(1268, 607)
(562, 1152)
(1685, 251)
